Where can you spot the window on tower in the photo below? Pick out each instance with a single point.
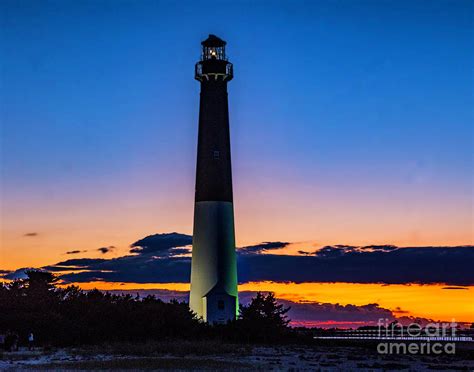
(217, 155)
(220, 304)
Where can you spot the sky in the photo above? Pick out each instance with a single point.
(351, 123)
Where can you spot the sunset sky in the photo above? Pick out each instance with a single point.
(351, 123)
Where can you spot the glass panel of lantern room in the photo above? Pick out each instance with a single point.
(214, 53)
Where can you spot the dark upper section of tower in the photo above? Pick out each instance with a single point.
(213, 64)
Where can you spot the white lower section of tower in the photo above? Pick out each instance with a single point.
(213, 294)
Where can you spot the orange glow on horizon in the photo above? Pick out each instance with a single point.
(416, 300)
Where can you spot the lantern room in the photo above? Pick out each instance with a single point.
(213, 48)
(213, 64)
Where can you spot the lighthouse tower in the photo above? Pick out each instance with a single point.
(214, 269)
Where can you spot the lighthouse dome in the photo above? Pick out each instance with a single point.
(213, 42)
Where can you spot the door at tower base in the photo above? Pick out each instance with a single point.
(213, 295)
(218, 306)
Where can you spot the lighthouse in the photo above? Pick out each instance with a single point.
(213, 294)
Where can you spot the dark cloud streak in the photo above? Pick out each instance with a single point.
(262, 247)
(74, 252)
(450, 265)
(105, 250)
(31, 234)
(157, 260)
(160, 244)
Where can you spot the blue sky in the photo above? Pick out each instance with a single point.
(367, 103)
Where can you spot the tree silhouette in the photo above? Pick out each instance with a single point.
(40, 281)
(265, 309)
(263, 319)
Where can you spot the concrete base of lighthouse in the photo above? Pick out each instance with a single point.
(213, 294)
